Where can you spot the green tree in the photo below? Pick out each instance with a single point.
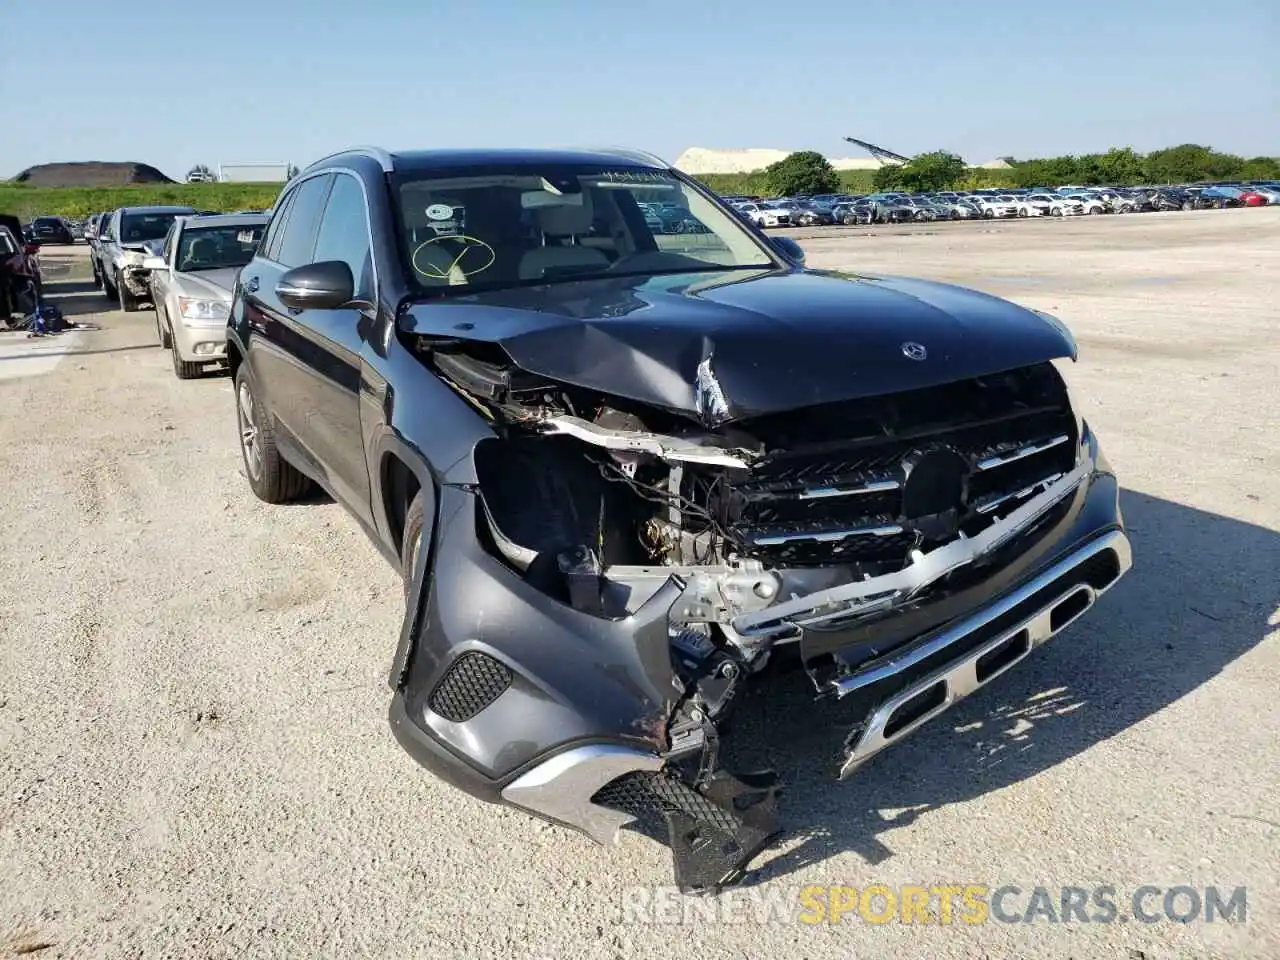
(888, 177)
(1260, 168)
(805, 172)
(924, 173)
(1191, 161)
(1121, 166)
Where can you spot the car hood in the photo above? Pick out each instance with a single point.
(759, 342)
(210, 284)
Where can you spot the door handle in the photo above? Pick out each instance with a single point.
(250, 285)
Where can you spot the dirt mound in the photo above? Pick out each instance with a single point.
(90, 174)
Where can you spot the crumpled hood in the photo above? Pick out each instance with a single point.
(771, 340)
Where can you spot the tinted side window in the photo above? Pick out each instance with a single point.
(275, 230)
(299, 237)
(344, 233)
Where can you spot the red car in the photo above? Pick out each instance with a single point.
(1251, 199)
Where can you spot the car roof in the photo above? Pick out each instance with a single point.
(411, 161)
(227, 220)
(157, 210)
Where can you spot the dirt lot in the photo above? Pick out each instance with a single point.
(194, 759)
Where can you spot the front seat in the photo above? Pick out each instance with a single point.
(561, 228)
(201, 252)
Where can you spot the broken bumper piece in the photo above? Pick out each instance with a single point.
(714, 830)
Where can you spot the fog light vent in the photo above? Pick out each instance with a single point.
(473, 682)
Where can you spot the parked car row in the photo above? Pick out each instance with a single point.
(184, 263)
(989, 204)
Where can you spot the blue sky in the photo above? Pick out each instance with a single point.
(173, 84)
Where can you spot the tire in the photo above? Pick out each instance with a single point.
(108, 290)
(988, 214)
(411, 539)
(271, 477)
(97, 275)
(128, 302)
(1188, 205)
(162, 328)
(1094, 211)
(181, 369)
(1022, 212)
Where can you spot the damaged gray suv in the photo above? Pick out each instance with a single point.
(622, 470)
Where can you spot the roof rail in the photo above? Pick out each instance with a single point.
(644, 156)
(374, 153)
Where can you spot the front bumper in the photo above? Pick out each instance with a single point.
(568, 715)
(137, 280)
(200, 342)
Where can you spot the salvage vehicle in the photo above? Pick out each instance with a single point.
(51, 230)
(122, 247)
(192, 279)
(621, 472)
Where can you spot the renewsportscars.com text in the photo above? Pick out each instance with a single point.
(959, 903)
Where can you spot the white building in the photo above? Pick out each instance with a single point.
(255, 171)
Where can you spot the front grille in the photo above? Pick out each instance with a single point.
(470, 684)
(867, 481)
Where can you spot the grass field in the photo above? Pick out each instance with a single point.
(25, 202)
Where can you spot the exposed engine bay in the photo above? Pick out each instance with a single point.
(803, 520)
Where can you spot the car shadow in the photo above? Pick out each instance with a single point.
(78, 298)
(1202, 592)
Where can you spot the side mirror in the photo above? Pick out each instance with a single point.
(30, 249)
(790, 250)
(317, 286)
(154, 263)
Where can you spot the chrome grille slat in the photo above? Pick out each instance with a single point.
(1030, 450)
(834, 484)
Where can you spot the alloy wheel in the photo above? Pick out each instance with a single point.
(249, 438)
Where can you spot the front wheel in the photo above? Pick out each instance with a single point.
(128, 302)
(97, 274)
(271, 477)
(411, 539)
(181, 368)
(162, 328)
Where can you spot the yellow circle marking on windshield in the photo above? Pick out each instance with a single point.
(469, 244)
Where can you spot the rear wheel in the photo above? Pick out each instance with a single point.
(271, 477)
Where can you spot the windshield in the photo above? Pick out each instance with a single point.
(213, 248)
(46, 222)
(138, 227)
(535, 225)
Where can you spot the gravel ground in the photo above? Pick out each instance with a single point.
(194, 757)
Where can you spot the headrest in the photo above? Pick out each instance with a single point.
(565, 220)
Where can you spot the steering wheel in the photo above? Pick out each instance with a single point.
(467, 255)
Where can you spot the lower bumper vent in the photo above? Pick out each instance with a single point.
(473, 682)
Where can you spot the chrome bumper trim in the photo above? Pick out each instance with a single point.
(561, 788)
(960, 677)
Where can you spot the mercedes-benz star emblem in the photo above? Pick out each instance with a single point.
(914, 351)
